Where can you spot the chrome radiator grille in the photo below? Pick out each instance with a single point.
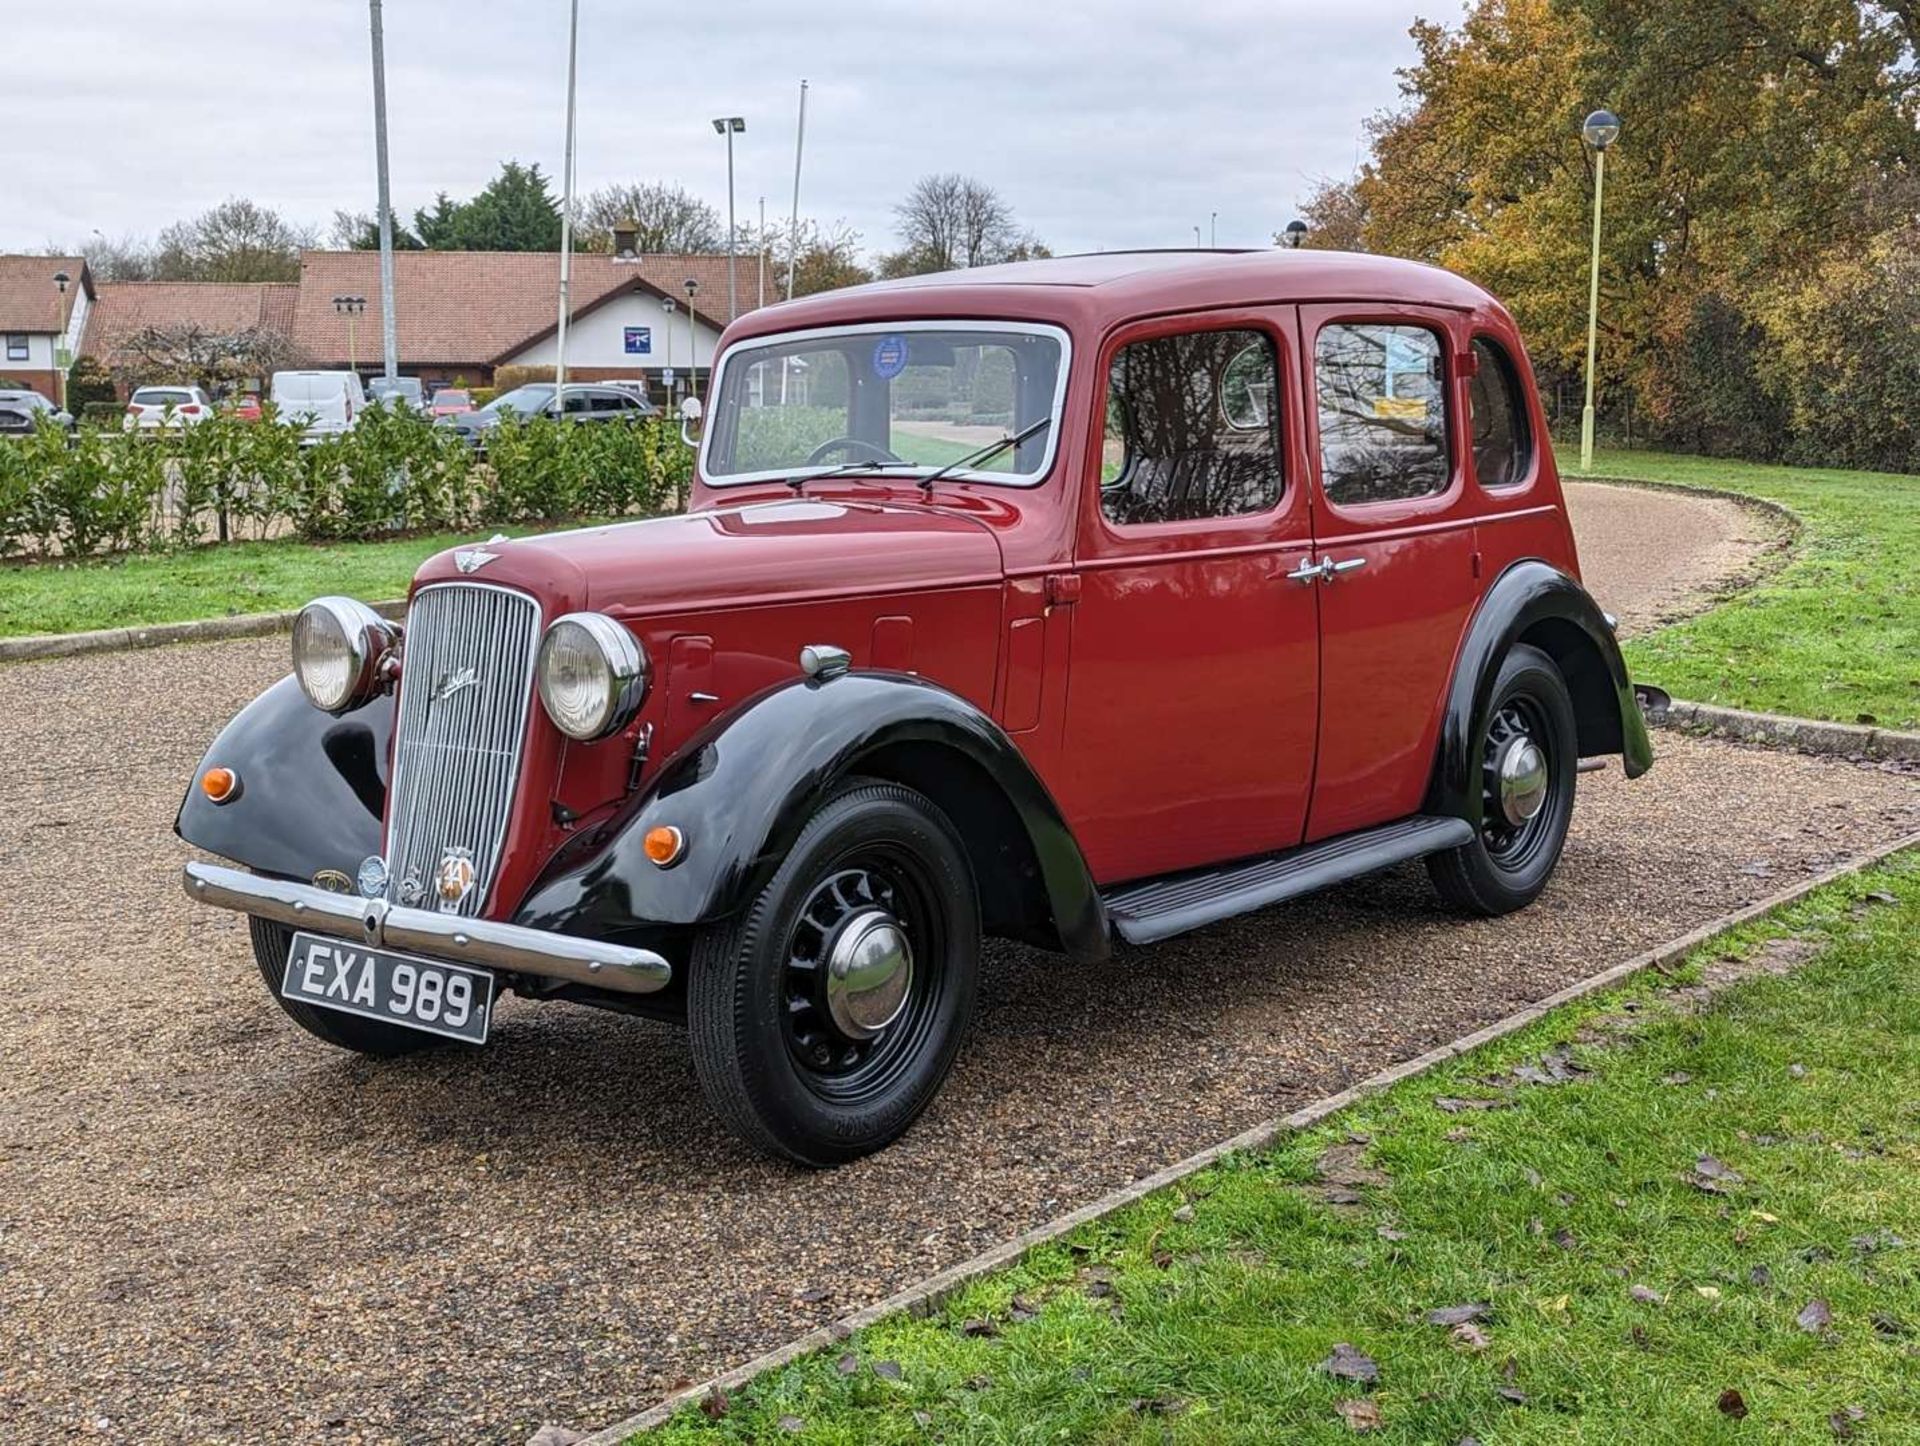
(465, 690)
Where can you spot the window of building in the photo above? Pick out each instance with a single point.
(17, 349)
(1502, 442)
(1383, 413)
(1193, 429)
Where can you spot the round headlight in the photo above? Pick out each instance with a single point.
(592, 674)
(337, 647)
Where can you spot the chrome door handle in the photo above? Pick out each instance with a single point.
(1333, 569)
(1308, 572)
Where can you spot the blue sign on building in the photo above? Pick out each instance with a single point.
(639, 341)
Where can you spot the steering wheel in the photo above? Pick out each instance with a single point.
(856, 450)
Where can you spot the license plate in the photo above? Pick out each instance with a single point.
(424, 994)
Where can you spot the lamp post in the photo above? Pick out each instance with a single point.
(667, 305)
(693, 340)
(1600, 130)
(350, 307)
(1196, 238)
(1213, 229)
(730, 126)
(1294, 236)
(389, 337)
(566, 211)
(60, 280)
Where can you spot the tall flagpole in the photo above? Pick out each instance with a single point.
(566, 211)
(389, 336)
(793, 225)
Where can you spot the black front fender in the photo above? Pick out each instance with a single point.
(313, 787)
(1533, 602)
(742, 790)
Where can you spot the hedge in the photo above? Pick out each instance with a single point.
(101, 490)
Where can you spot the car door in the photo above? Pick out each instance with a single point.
(1394, 528)
(1191, 702)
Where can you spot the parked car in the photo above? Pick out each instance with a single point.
(244, 407)
(450, 402)
(21, 410)
(322, 403)
(407, 390)
(151, 408)
(582, 403)
(1083, 602)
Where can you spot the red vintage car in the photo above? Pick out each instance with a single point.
(1080, 602)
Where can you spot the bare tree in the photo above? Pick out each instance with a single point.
(238, 240)
(185, 352)
(670, 219)
(124, 258)
(949, 221)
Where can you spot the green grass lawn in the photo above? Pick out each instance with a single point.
(1835, 632)
(1714, 1214)
(218, 580)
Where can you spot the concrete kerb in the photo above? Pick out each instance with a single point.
(928, 1295)
(202, 630)
(1806, 735)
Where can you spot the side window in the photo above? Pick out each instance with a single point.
(17, 348)
(1193, 429)
(575, 402)
(1383, 413)
(1502, 443)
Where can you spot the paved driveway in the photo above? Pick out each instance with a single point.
(213, 1228)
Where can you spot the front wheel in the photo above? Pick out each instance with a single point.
(272, 943)
(824, 1017)
(1529, 754)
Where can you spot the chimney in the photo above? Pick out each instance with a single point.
(626, 240)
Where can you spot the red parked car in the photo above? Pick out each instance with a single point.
(1080, 602)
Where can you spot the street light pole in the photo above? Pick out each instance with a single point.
(566, 212)
(693, 342)
(60, 280)
(1213, 229)
(730, 126)
(667, 305)
(389, 337)
(1600, 130)
(350, 307)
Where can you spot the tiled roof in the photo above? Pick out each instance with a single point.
(29, 299)
(476, 308)
(121, 308)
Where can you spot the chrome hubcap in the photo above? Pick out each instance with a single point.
(869, 973)
(1522, 773)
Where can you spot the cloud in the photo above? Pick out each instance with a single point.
(1112, 124)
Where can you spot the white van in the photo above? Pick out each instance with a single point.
(321, 403)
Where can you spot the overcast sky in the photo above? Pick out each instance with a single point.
(1110, 124)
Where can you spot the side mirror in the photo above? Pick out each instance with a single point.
(690, 421)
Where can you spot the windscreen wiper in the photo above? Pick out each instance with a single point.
(845, 469)
(1032, 429)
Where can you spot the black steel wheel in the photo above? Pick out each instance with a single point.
(825, 1017)
(272, 943)
(1529, 755)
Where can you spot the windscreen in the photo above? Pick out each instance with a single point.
(899, 400)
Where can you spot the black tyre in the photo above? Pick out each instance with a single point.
(826, 1014)
(1529, 757)
(271, 944)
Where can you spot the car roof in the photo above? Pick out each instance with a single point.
(1103, 288)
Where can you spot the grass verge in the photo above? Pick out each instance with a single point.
(213, 581)
(1833, 634)
(1672, 1218)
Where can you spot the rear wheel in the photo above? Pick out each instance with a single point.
(271, 945)
(825, 1016)
(1529, 754)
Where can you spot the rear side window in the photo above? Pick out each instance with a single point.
(1193, 429)
(1383, 413)
(1502, 442)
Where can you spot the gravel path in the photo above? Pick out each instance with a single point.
(1650, 556)
(214, 1229)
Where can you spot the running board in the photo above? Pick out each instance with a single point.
(1160, 908)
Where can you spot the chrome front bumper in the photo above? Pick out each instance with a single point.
(452, 937)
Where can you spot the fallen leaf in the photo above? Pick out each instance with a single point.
(1842, 1421)
(1513, 1396)
(1880, 896)
(792, 1425)
(1470, 1336)
(1359, 1413)
(923, 1419)
(1387, 1232)
(1708, 1292)
(1453, 1315)
(1889, 1325)
(715, 1404)
(979, 1383)
(1184, 1214)
(1678, 1077)
(887, 1370)
(1815, 1316)
(1558, 1305)
(1350, 1364)
(1714, 1178)
(1454, 1106)
(1732, 1403)
(813, 1295)
(1564, 1238)
(1020, 1308)
(1647, 1295)
(1760, 1276)
(1764, 1218)
(978, 1326)
(847, 1364)
(1798, 1071)
(1156, 1405)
